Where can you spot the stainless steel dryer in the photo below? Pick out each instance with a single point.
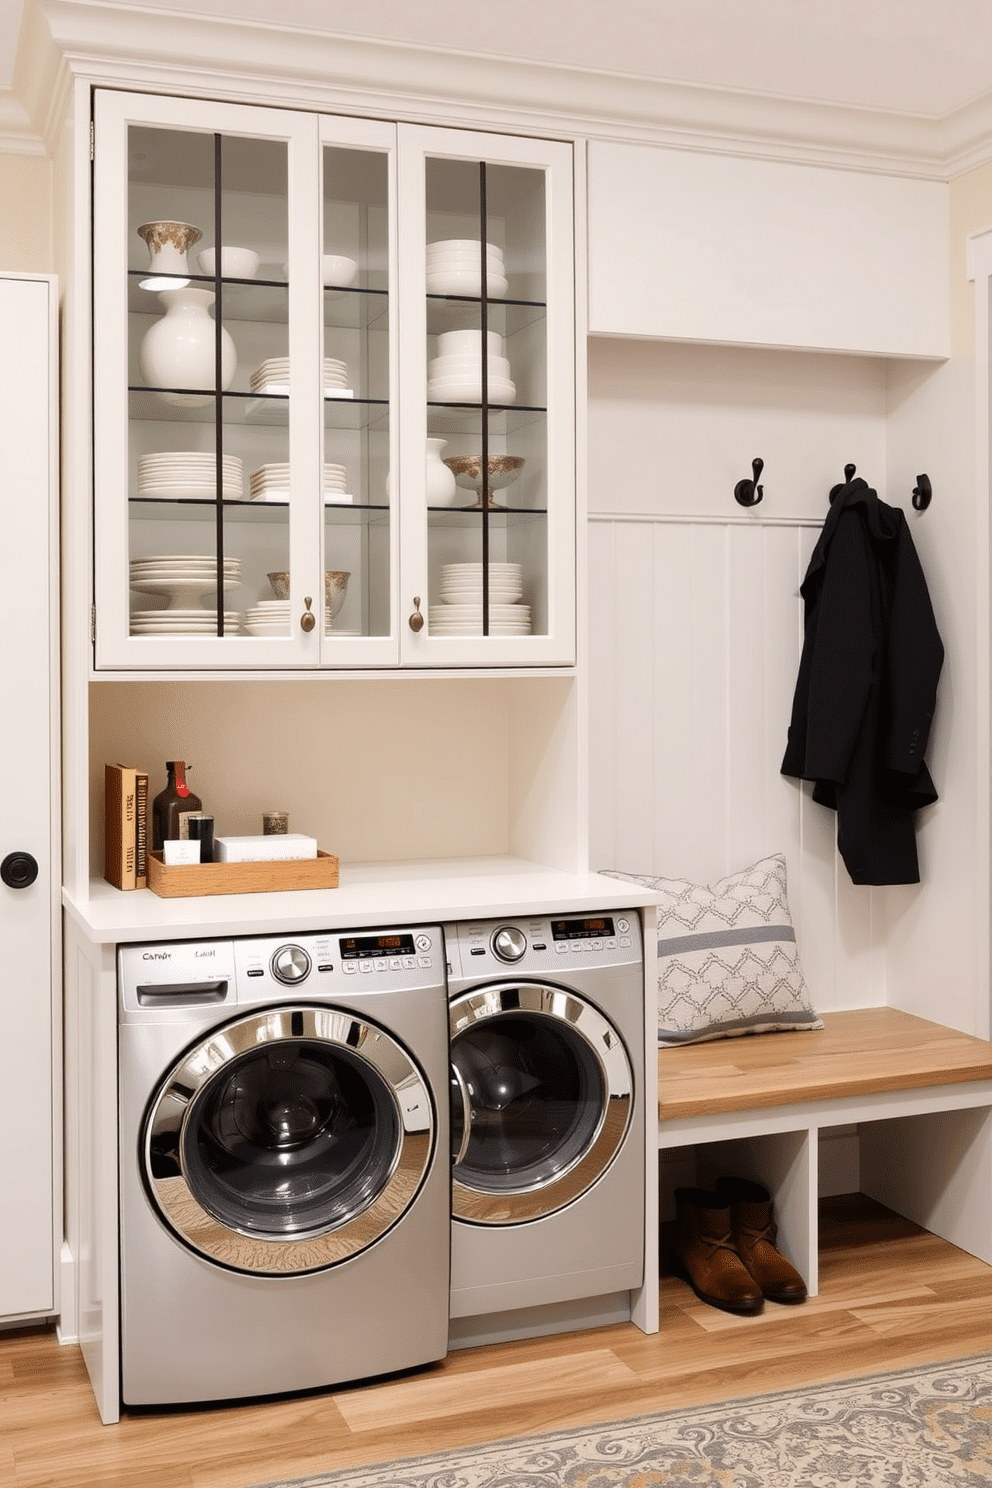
(284, 1162)
(546, 1020)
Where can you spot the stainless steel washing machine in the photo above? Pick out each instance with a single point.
(284, 1162)
(546, 1020)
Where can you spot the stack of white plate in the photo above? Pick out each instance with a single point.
(455, 374)
(271, 483)
(176, 475)
(454, 267)
(272, 376)
(182, 576)
(270, 617)
(460, 612)
(184, 622)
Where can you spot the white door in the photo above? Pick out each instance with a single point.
(29, 869)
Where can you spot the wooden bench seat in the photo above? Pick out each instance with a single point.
(914, 1097)
(862, 1052)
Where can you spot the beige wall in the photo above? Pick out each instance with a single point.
(26, 214)
(971, 210)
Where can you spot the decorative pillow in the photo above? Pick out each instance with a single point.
(727, 957)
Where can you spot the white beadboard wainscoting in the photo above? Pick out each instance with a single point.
(695, 631)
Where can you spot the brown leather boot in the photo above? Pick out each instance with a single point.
(754, 1231)
(704, 1245)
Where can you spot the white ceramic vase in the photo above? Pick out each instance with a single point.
(441, 485)
(178, 351)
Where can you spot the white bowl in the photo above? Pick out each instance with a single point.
(462, 245)
(468, 343)
(470, 284)
(467, 366)
(338, 270)
(464, 261)
(235, 263)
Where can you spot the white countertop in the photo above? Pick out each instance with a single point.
(368, 894)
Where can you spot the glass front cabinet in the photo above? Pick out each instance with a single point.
(345, 439)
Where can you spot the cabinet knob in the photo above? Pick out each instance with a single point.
(416, 619)
(18, 870)
(308, 620)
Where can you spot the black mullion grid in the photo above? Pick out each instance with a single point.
(218, 380)
(484, 298)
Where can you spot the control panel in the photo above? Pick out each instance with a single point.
(317, 964)
(542, 944)
(264, 968)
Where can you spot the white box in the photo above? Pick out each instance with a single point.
(279, 848)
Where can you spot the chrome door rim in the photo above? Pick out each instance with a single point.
(177, 1099)
(557, 1004)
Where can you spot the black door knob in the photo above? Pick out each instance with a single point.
(18, 870)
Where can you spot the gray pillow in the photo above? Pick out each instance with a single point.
(727, 957)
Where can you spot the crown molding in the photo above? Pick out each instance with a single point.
(18, 133)
(967, 136)
(108, 41)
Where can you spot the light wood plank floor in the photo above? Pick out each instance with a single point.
(891, 1295)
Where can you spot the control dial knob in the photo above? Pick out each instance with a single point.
(509, 943)
(290, 964)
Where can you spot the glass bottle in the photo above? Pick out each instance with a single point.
(172, 804)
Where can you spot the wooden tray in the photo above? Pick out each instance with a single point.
(185, 880)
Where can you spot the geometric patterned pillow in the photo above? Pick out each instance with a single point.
(727, 957)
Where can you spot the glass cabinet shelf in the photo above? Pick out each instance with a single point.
(263, 301)
(246, 408)
(503, 420)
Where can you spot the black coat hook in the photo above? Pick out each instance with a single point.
(748, 492)
(922, 492)
(849, 473)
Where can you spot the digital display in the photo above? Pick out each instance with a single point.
(356, 947)
(587, 929)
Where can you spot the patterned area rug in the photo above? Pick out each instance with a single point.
(921, 1428)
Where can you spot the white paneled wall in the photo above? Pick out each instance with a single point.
(695, 635)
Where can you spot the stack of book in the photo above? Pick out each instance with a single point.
(126, 833)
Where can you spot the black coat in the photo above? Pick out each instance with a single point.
(867, 685)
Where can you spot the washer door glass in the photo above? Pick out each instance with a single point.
(288, 1141)
(541, 1100)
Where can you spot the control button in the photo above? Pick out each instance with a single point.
(365, 965)
(578, 945)
(325, 967)
(381, 965)
(395, 963)
(509, 943)
(349, 967)
(623, 926)
(425, 962)
(539, 946)
(256, 971)
(626, 941)
(477, 951)
(595, 945)
(611, 944)
(561, 949)
(424, 943)
(409, 963)
(290, 964)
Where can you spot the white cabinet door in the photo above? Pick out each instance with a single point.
(28, 753)
(490, 569)
(689, 246)
(206, 379)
